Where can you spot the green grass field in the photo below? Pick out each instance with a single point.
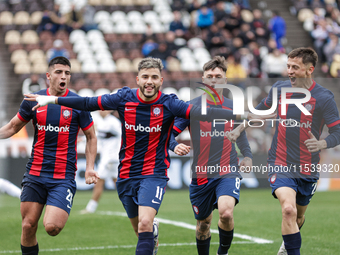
(107, 232)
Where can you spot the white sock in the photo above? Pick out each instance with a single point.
(9, 188)
(92, 206)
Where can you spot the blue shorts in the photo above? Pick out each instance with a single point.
(134, 192)
(304, 189)
(55, 192)
(204, 197)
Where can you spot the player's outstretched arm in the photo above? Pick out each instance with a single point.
(91, 176)
(181, 149)
(79, 103)
(12, 127)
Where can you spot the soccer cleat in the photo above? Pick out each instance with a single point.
(282, 250)
(155, 236)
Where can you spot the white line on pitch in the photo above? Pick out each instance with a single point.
(193, 227)
(116, 247)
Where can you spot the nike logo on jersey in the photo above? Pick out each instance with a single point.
(235, 192)
(129, 109)
(155, 202)
(39, 111)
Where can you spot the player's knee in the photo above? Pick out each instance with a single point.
(203, 226)
(52, 229)
(226, 215)
(28, 226)
(145, 225)
(289, 211)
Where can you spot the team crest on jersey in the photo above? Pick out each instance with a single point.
(308, 107)
(195, 209)
(66, 113)
(156, 111)
(273, 179)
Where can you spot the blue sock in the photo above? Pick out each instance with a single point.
(203, 246)
(33, 250)
(226, 237)
(145, 243)
(292, 243)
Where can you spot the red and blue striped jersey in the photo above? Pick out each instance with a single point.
(54, 149)
(288, 146)
(146, 127)
(211, 146)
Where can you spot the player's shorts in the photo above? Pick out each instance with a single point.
(134, 192)
(204, 197)
(55, 192)
(107, 168)
(304, 189)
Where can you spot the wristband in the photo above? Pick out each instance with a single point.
(245, 115)
(45, 100)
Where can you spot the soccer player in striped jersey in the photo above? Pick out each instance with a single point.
(147, 117)
(50, 171)
(295, 151)
(220, 187)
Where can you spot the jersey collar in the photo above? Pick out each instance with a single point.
(217, 101)
(48, 92)
(148, 102)
(313, 85)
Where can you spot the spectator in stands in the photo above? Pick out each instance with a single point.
(219, 11)
(271, 45)
(234, 68)
(215, 38)
(258, 21)
(88, 16)
(177, 5)
(232, 21)
(149, 46)
(177, 25)
(194, 6)
(74, 19)
(320, 35)
(51, 20)
(246, 34)
(249, 63)
(274, 65)
(244, 4)
(255, 51)
(316, 3)
(58, 50)
(277, 26)
(205, 17)
(33, 84)
(162, 52)
(332, 47)
(237, 44)
(170, 42)
(318, 15)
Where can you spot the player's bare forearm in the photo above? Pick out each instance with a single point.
(91, 176)
(11, 128)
